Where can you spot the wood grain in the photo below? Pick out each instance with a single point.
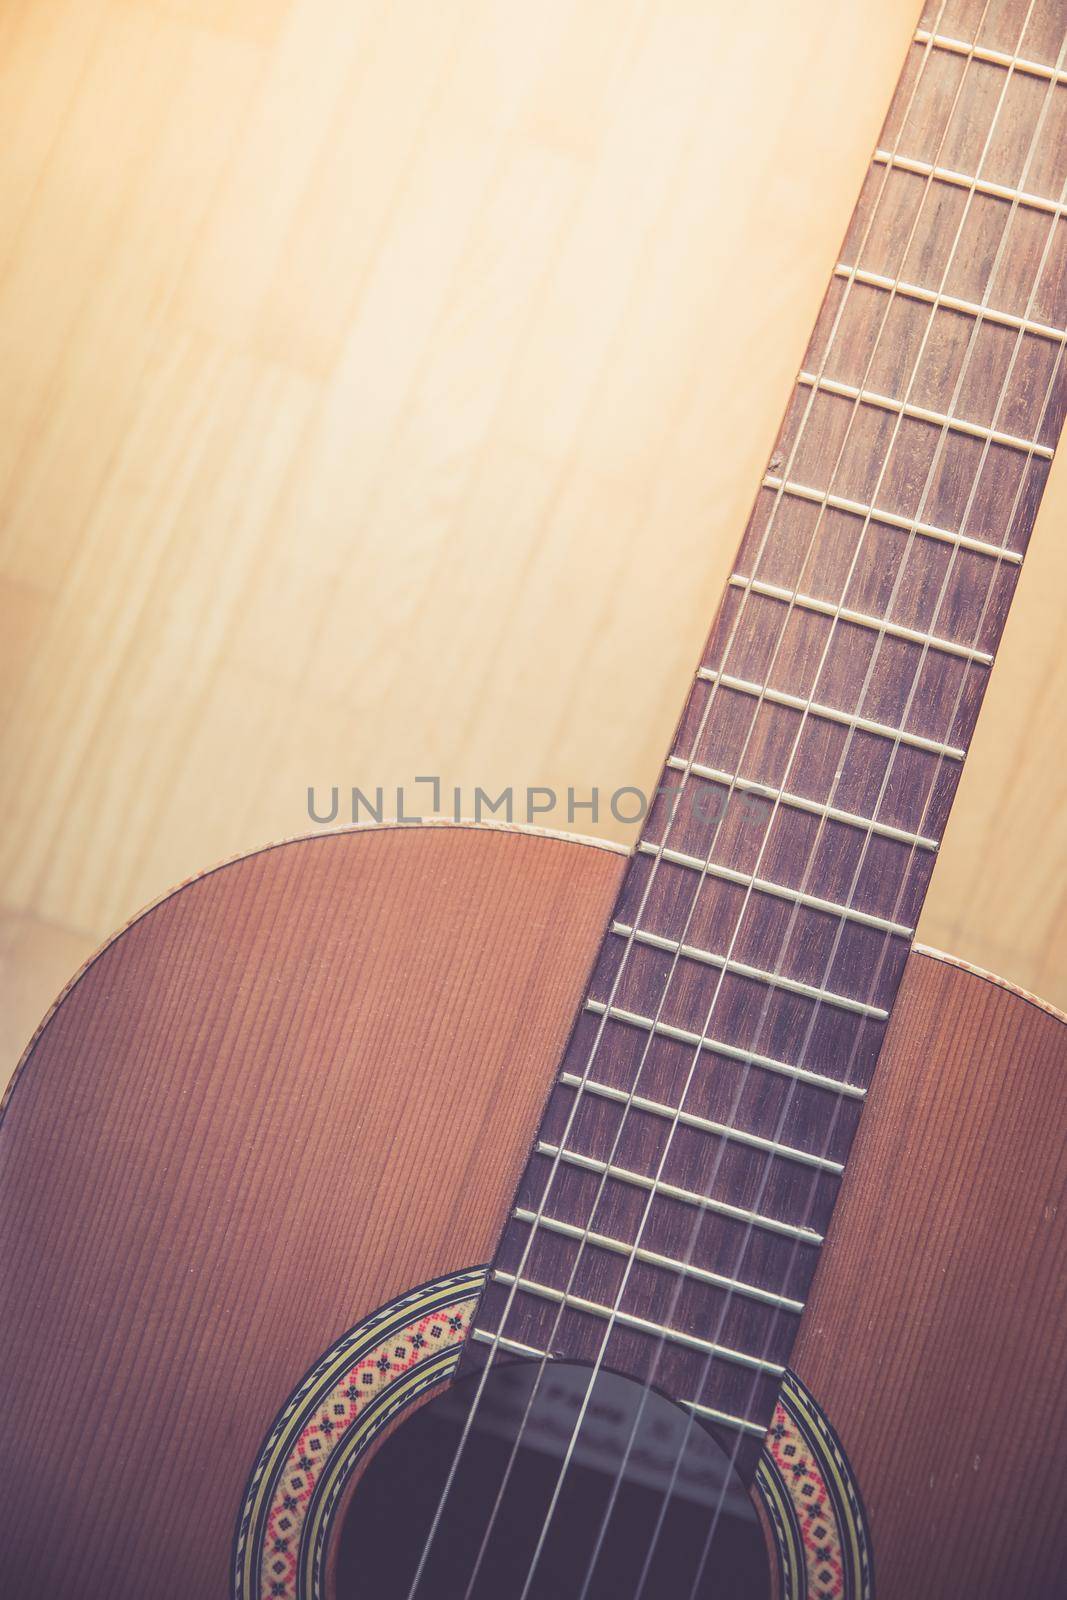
(934, 1336)
(366, 372)
(297, 1087)
(769, 930)
(303, 1083)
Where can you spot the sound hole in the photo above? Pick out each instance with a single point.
(672, 1523)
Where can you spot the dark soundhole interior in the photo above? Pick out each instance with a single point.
(649, 1508)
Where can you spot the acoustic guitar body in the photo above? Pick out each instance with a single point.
(258, 1155)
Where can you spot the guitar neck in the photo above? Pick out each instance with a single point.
(670, 1216)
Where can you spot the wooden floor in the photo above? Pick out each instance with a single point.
(384, 385)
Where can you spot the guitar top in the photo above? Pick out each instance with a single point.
(478, 1213)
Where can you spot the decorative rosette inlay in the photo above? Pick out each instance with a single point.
(382, 1365)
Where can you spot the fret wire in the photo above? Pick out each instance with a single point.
(891, 519)
(653, 1258)
(948, 302)
(989, 590)
(725, 1418)
(1060, 337)
(743, 969)
(496, 1341)
(514, 1345)
(996, 58)
(874, 497)
(1050, 389)
(885, 402)
(689, 1119)
(914, 88)
(733, 1052)
(913, 91)
(827, 608)
(659, 851)
(629, 1319)
(681, 858)
(674, 1191)
(780, 697)
(597, 1040)
(963, 180)
(817, 808)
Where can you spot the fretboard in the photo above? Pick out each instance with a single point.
(670, 1216)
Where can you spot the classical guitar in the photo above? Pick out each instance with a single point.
(480, 1214)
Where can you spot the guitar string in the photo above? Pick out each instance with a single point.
(498, 1330)
(933, 786)
(735, 1272)
(679, 1284)
(496, 1340)
(600, 1029)
(924, 654)
(1056, 374)
(905, 886)
(494, 1347)
(1050, 395)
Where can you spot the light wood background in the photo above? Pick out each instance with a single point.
(384, 387)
